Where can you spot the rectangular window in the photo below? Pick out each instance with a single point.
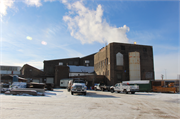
(86, 61)
(70, 63)
(60, 63)
(119, 77)
(75, 62)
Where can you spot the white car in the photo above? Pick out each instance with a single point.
(119, 87)
(78, 87)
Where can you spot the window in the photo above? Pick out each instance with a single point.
(107, 72)
(70, 62)
(61, 63)
(119, 77)
(119, 59)
(86, 61)
(76, 63)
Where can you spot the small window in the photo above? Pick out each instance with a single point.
(70, 62)
(86, 61)
(119, 59)
(76, 63)
(107, 72)
(119, 77)
(61, 63)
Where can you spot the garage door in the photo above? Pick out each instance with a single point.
(50, 80)
(36, 80)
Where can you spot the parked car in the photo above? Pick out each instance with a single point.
(77, 86)
(102, 87)
(119, 87)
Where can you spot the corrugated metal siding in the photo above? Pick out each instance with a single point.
(134, 66)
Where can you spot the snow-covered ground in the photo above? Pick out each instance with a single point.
(60, 104)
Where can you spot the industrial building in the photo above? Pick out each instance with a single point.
(32, 74)
(123, 62)
(58, 69)
(114, 63)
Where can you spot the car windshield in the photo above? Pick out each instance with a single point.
(79, 81)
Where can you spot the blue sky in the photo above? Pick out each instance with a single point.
(36, 30)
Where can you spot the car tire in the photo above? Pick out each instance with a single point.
(132, 92)
(125, 91)
(112, 91)
(72, 93)
(85, 93)
(95, 89)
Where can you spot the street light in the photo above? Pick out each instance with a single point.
(162, 76)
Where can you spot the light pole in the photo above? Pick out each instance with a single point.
(162, 76)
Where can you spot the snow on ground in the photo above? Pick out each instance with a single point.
(60, 104)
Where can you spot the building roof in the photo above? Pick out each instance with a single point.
(69, 58)
(31, 67)
(88, 69)
(62, 59)
(129, 44)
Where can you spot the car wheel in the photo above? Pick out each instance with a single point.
(72, 93)
(102, 89)
(85, 93)
(125, 91)
(112, 91)
(132, 92)
(95, 89)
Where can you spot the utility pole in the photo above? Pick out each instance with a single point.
(162, 76)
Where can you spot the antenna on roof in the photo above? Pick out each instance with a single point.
(105, 43)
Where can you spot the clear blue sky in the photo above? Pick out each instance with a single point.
(36, 30)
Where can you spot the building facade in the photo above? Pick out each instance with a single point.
(123, 62)
(55, 70)
(32, 74)
(9, 70)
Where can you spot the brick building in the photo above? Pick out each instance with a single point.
(123, 62)
(58, 69)
(32, 74)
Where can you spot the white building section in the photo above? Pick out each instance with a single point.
(80, 70)
(79, 74)
(5, 70)
(134, 66)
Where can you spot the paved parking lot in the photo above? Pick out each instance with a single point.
(60, 104)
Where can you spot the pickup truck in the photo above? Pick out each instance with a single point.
(77, 86)
(101, 87)
(119, 87)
